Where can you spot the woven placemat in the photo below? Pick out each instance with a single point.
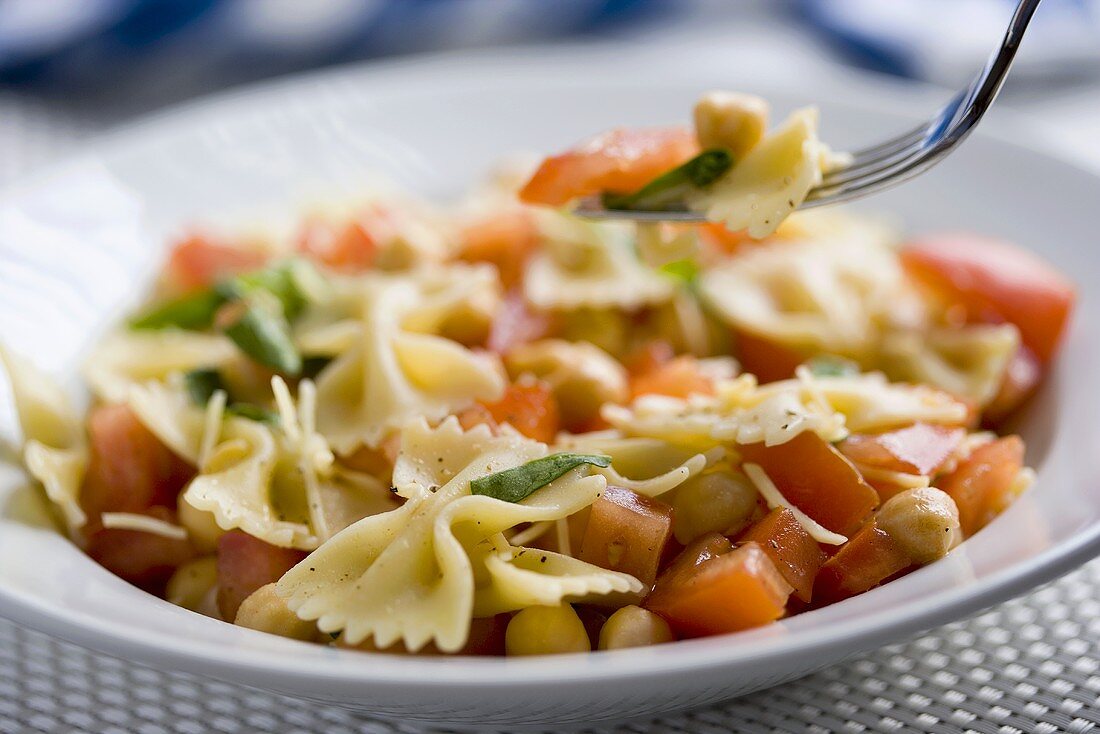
(1029, 666)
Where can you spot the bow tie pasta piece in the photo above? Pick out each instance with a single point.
(55, 449)
(828, 296)
(524, 577)
(431, 457)
(392, 376)
(969, 361)
(128, 357)
(409, 575)
(869, 402)
(237, 486)
(168, 411)
(771, 181)
(451, 297)
(587, 264)
(737, 413)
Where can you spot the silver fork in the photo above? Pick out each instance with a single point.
(886, 165)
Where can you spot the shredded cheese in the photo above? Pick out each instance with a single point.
(144, 524)
(534, 531)
(898, 478)
(212, 424)
(775, 498)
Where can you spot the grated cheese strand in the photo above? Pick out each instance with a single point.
(775, 498)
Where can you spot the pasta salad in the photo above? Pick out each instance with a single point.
(493, 428)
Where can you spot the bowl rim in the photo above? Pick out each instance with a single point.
(864, 631)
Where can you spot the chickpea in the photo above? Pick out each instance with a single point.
(730, 120)
(633, 626)
(201, 527)
(546, 631)
(469, 323)
(191, 584)
(716, 502)
(606, 328)
(923, 521)
(266, 611)
(582, 375)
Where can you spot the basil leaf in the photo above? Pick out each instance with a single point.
(513, 485)
(194, 312)
(202, 384)
(295, 283)
(685, 271)
(252, 412)
(830, 365)
(263, 334)
(667, 191)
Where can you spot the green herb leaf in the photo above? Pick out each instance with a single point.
(685, 271)
(202, 384)
(513, 485)
(263, 334)
(667, 191)
(252, 412)
(295, 283)
(194, 312)
(830, 365)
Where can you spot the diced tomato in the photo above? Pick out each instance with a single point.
(764, 358)
(144, 559)
(921, 448)
(868, 559)
(627, 532)
(797, 555)
(199, 262)
(727, 593)
(505, 240)
(515, 324)
(649, 357)
(727, 242)
(245, 564)
(982, 484)
(486, 636)
(679, 378)
(129, 469)
(1022, 377)
(529, 407)
(619, 160)
(994, 281)
(817, 479)
(698, 551)
(347, 246)
(378, 460)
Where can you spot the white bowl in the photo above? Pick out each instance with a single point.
(78, 242)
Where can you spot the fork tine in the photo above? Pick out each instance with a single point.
(841, 176)
(887, 176)
(877, 152)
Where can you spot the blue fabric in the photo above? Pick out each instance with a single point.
(95, 43)
(946, 40)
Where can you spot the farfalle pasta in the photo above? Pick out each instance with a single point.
(462, 430)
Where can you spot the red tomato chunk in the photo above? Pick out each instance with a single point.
(868, 559)
(130, 470)
(627, 532)
(919, 449)
(725, 592)
(245, 564)
(982, 485)
(619, 160)
(817, 479)
(993, 282)
(144, 559)
(795, 553)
